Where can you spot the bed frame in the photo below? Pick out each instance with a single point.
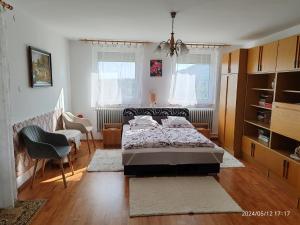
(156, 170)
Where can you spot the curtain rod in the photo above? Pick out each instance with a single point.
(204, 45)
(113, 41)
(6, 5)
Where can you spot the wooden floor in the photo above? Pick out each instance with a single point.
(102, 198)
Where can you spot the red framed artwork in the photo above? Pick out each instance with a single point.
(155, 68)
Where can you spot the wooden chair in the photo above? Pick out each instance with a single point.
(42, 145)
(81, 124)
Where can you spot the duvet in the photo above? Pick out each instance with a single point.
(164, 137)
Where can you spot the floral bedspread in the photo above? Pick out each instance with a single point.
(164, 137)
(144, 138)
(186, 137)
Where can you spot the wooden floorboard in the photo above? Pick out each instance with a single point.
(102, 198)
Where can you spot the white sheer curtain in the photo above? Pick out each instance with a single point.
(116, 80)
(194, 79)
(7, 163)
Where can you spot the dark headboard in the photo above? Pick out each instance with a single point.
(156, 113)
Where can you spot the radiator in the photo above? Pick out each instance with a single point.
(114, 115)
(108, 115)
(202, 115)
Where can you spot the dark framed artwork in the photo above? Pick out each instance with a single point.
(40, 68)
(155, 68)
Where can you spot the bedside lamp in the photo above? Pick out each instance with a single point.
(152, 98)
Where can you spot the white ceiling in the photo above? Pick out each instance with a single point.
(213, 21)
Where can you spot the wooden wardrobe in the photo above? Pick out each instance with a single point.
(232, 100)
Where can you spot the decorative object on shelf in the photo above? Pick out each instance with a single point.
(155, 68)
(152, 98)
(265, 100)
(171, 47)
(263, 116)
(297, 151)
(273, 83)
(263, 136)
(296, 154)
(40, 68)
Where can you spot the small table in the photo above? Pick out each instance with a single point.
(112, 135)
(203, 129)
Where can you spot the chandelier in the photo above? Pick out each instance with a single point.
(171, 46)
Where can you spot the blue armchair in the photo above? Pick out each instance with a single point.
(42, 145)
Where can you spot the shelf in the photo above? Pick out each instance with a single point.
(263, 89)
(253, 138)
(291, 91)
(261, 73)
(261, 107)
(259, 124)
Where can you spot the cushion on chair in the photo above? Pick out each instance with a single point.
(63, 151)
(89, 129)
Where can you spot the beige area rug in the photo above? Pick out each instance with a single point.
(106, 161)
(22, 214)
(178, 195)
(111, 161)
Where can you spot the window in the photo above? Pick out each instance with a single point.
(116, 81)
(193, 81)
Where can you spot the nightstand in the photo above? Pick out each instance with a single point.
(112, 135)
(203, 129)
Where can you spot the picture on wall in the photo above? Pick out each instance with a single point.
(155, 68)
(40, 70)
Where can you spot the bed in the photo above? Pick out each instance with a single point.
(167, 159)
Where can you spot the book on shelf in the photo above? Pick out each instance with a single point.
(263, 135)
(263, 116)
(264, 138)
(265, 100)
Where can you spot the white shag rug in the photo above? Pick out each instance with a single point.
(178, 195)
(230, 161)
(111, 161)
(106, 161)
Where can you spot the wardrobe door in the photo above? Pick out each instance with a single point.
(287, 54)
(234, 62)
(230, 112)
(225, 63)
(253, 60)
(268, 57)
(222, 108)
(292, 174)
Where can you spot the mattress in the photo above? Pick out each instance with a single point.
(171, 155)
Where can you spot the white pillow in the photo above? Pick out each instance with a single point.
(136, 124)
(144, 117)
(177, 122)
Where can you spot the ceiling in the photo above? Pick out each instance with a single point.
(212, 21)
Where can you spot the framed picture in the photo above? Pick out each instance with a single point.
(155, 68)
(40, 69)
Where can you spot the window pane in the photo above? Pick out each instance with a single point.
(197, 78)
(115, 83)
(117, 70)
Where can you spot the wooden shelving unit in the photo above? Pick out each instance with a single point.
(273, 76)
(283, 87)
